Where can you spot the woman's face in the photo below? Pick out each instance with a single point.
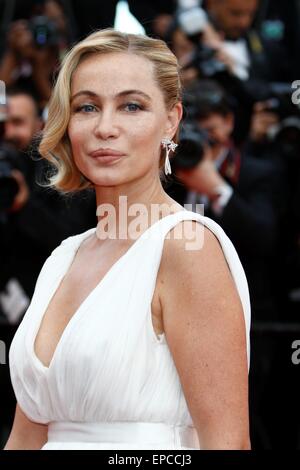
(117, 105)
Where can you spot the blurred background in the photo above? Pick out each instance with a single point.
(241, 129)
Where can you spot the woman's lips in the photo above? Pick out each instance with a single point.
(106, 156)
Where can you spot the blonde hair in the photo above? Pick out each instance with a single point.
(55, 145)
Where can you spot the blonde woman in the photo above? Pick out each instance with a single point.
(130, 342)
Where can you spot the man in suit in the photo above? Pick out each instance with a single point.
(253, 56)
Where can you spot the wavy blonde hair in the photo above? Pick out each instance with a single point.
(55, 145)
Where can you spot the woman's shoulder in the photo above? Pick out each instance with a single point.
(189, 229)
(72, 241)
(192, 240)
(203, 264)
(196, 263)
(197, 242)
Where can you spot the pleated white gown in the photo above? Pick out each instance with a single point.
(112, 383)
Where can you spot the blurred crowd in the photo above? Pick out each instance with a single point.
(239, 153)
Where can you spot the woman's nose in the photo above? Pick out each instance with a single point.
(106, 125)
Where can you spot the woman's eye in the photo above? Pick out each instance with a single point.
(132, 106)
(87, 108)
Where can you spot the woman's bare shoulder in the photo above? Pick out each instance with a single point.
(194, 269)
(189, 242)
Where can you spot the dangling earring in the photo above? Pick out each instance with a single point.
(169, 145)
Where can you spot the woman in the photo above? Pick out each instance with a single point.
(130, 344)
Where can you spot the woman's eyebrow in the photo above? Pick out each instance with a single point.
(92, 94)
(134, 92)
(84, 92)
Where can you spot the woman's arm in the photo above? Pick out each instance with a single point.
(25, 434)
(205, 330)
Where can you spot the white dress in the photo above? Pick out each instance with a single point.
(112, 383)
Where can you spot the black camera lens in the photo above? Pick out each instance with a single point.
(191, 148)
(9, 160)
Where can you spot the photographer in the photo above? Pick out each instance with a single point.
(33, 50)
(253, 56)
(275, 134)
(222, 44)
(239, 191)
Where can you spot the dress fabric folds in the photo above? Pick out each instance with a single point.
(112, 382)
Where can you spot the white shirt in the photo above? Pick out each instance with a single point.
(239, 52)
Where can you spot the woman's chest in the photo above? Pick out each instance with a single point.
(73, 291)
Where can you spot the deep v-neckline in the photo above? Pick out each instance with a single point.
(80, 308)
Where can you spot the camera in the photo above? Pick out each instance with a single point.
(9, 160)
(286, 138)
(191, 148)
(44, 31)
(192, 22)
(286, 135)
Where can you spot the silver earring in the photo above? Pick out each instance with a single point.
(169, 145)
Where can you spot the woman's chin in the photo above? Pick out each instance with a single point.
(105, 181)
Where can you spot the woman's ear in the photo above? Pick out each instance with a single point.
(174, 118)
